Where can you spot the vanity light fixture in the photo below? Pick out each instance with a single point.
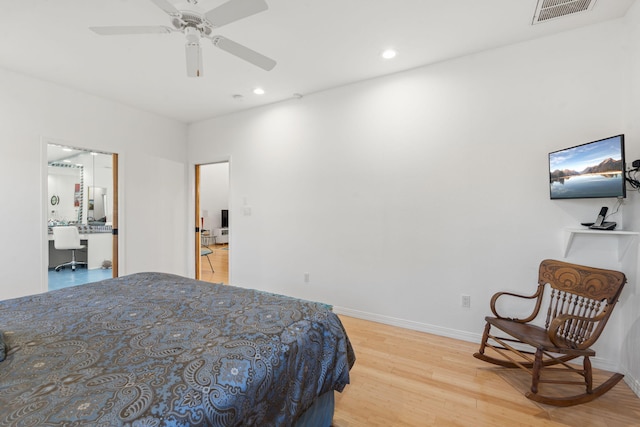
(258, 91)
(389, 54)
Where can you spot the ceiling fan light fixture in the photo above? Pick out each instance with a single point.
(193, 55)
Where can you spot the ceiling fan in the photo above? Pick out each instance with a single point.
(196, 26)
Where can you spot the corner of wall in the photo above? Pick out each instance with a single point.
(633, 383)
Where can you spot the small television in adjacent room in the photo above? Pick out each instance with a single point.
(224, 218)
(592, 170)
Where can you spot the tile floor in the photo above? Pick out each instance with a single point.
(66, 277)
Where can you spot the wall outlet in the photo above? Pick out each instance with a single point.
(466, 301)
(306, 277)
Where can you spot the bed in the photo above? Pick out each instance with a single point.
(154, 349)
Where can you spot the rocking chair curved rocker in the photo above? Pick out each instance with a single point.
(582, 299)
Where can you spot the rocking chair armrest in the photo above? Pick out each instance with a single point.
(532, 316)
(564, 319)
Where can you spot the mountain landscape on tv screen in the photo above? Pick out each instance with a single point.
(607, 165)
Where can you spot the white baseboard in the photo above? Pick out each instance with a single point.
(598, 363)
(409, 324)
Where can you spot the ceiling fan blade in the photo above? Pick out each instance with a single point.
(243, 52)
(168, 7)
(116, 31)
(194, 59)
(234, 10)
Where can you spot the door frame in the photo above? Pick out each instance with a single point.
(114, 216)
(45, 141)
(196, 213)
(197, 223)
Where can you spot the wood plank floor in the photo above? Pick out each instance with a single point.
(409, 378)
(220, 262)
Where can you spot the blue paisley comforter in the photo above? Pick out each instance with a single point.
(154, 349)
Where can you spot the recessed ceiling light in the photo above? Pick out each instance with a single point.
(389, 54)
(258, 91)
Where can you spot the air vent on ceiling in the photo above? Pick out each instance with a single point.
(551, 9)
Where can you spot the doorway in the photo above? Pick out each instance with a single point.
(82, 190)
(212, 219)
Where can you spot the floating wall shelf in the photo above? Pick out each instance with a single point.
(625, 238)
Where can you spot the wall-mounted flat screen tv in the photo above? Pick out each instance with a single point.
(591, 170)
(224, 218)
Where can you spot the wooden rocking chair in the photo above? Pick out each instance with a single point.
(582, 299)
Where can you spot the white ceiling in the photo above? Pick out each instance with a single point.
(318, 44)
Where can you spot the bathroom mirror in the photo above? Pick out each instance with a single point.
(97, 205)
(80, 185)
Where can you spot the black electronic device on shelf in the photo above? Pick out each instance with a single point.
(600, 223)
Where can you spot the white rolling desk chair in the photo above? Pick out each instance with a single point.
(68, 238)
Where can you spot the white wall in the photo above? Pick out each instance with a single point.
(631, 303)
(400, 194)
(153, 178)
